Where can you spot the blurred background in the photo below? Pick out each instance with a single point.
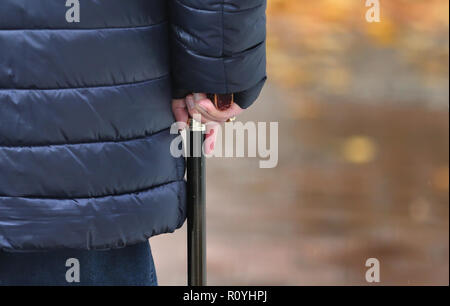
(363, 112)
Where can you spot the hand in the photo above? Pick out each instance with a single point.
(198, 104)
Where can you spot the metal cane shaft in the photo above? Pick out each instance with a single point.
(196, 207)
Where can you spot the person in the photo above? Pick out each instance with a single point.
(88, 92)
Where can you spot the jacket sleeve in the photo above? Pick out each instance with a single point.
(218, 46)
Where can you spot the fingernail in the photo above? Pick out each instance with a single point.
(198, 97)
(190, 102)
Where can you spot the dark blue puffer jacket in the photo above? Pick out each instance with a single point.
(85, 110)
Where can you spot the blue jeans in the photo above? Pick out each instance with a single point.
(130, 266)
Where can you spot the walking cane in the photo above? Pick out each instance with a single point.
(196, 180)
(196, 213)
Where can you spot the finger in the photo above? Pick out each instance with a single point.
(190, 103)
(210, 109)
(180, 112)
(196, 111)
(207, 108)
